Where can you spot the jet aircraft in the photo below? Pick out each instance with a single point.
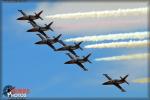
(37, 28)
(78, 60)
(49, 41)
(71, 48)
(30, 17)
(116, 82)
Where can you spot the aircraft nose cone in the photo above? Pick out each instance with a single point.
(39, 42)
(65, 63)
(36, 43)
(104, 83)
(18, 18)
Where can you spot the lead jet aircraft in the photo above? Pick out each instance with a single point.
(37, 28)
(78, 61)
(116, 82)
(71, 48)
(30, 17)
(49, 41)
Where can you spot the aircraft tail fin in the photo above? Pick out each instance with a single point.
(86, 58)
(78, 45)
(38, 15)
(80, 42)
(57, 39)
(49, 26)
(124, 79)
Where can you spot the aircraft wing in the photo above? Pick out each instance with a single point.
(118, 86)
(71, 56)
(42, 32)
(51, 46)
(61, 42)
(82, 66)
(73, 52)
(33, 23)
(107, 76)
(24, 14)
(40, 36)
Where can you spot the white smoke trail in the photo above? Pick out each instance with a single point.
(101, 14)
(129, 44)
(142, 80)
(121, 36)
(125, 57)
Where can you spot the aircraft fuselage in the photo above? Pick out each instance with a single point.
(74, 61)
(48, 41)
(30, 17)
(67, 48)
(36, 29)
(111, 82)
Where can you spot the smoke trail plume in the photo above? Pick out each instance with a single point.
(121, 36)
(142, 80)
(125, 57)
(101, 14)
(130, 44)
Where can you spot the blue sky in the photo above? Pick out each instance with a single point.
(40, 69)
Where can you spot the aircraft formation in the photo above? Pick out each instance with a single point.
(50, 41)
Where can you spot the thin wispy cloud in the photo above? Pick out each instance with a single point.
(120, 36)
(129, 44)
(101, 14)
(125, 57)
